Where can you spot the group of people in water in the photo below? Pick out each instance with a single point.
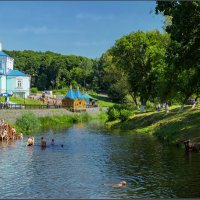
(31, 141)
(43, 144)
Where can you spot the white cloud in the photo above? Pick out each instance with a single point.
(94, 17)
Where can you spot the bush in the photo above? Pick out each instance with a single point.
(125, 114)
(150, 105)
(113, 113)
(34, 90)
(28, 123)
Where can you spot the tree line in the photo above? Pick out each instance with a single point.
(146, 66)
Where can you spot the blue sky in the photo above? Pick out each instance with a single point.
(67, 27)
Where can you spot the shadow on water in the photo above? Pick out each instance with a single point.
(91, 159)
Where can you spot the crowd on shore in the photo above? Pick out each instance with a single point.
(7, 132)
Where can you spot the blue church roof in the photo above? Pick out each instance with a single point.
(16, 73)
(71, 94)
(78, 94)
(3, 54)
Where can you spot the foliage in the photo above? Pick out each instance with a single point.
(52, 71)
(114, 79)
(113, 113)
(34, 90)
(141, 55)
(122, 112)
(28, 123)
(182, 76)
(125, 114)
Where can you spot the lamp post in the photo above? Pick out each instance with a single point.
(6, 94)
(24, 98)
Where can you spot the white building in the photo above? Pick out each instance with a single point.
(12, 81)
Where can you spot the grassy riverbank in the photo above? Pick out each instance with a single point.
(29, 123)
(171, 127)
(67, 120)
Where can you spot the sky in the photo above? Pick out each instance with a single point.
(82, 28)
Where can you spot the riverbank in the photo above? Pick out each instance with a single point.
(10, 116)
(33, 121)
(170, 127)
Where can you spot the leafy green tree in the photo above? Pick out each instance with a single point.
(115, 80)
(142, 55)
(183, 53)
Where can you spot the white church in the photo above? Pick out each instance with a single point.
(12, 82)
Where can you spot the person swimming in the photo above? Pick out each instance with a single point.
(120, 184)
(43, 142)
(52, 142)
(30, 141)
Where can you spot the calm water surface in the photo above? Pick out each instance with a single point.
(91, 160)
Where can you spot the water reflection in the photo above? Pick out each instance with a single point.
(91, 159)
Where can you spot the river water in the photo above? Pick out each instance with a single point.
(93, 158)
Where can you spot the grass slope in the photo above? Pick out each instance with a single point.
(172, 127)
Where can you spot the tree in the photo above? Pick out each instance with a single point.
(114, 79)
(183, 53)
(141, 55)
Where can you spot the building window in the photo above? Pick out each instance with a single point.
(19, 83)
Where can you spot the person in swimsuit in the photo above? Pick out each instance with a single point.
(52, 142)
(121, 184)
(43, 142)
(30, 141)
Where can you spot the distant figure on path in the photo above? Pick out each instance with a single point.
(158, 107)
(166, 107)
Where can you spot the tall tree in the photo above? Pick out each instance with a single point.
(141, 55)
(183, 54)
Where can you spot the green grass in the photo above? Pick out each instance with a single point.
(171, 127)
(18, 100)
(59, 122)
(103, 100)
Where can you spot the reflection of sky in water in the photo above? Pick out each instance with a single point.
(91, 160)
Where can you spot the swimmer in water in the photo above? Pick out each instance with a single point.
(52, 142)
(30, 141)
(43, 142)
(120, 184)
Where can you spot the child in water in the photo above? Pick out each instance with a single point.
(52, 142)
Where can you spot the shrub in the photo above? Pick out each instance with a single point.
(125, 114)
(28, 123)
(34, 90)
(113, 113)
(150, 105)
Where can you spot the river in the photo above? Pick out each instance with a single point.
(93, 158)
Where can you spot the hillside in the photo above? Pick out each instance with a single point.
(171, 127)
